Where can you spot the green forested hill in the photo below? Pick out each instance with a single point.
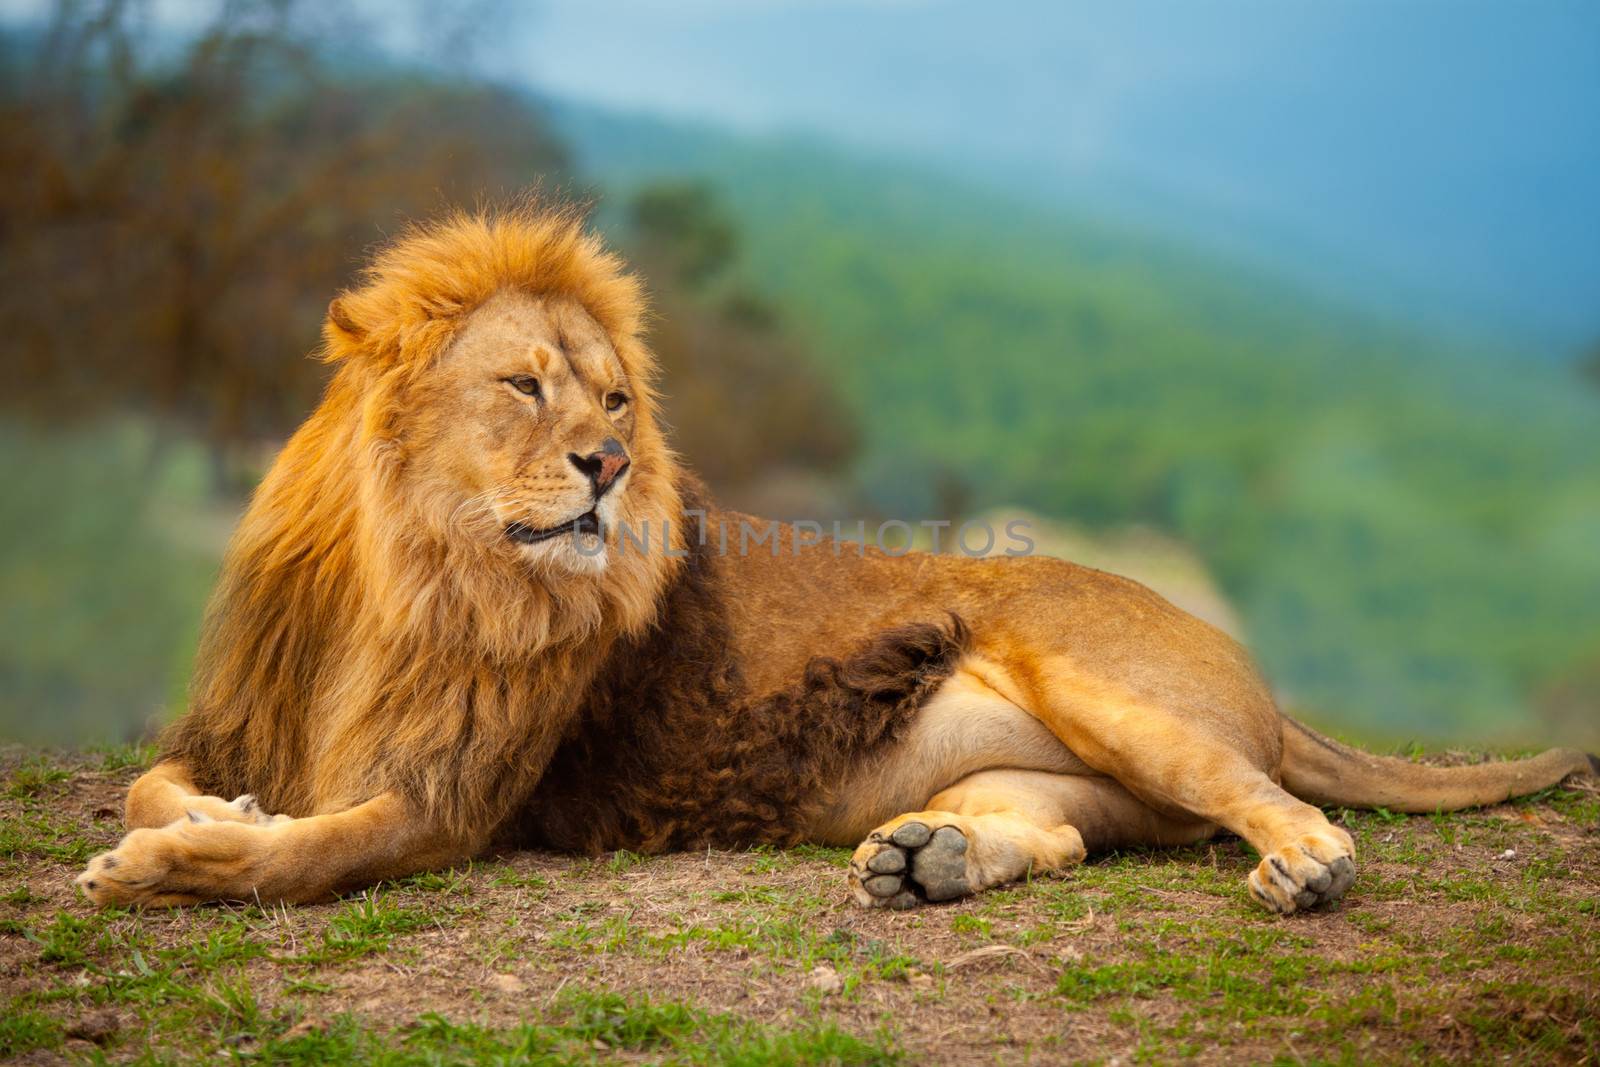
(1409, 525)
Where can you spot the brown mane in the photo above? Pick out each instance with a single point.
(672, 750)
(355, 644)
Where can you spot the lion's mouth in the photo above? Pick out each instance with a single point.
(523, 534)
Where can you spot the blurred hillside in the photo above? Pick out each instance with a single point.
(1433, 158)
(1409, 527)
(1405, 528)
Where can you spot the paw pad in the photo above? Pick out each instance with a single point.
(911, 864)
(889, 861)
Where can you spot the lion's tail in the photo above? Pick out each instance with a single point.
(1322, 771)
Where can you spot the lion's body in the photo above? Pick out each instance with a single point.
(430, 637)
(766, 614)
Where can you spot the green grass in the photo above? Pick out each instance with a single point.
(454, 883)
(756, 958)
(371, 923)
(581, 1025)
(35, 835)
(24, 1030)
(66, 940)
(34, 777)
(32, 828)
(134, 754)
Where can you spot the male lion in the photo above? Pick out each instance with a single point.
(433, 635)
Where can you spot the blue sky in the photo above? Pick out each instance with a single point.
(1437, 154)
(1437, 159)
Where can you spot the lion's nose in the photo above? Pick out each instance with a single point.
(604, 467)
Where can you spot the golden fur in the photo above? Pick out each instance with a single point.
(403, 663)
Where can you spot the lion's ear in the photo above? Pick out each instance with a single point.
(339, 317)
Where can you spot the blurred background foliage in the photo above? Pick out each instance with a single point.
(1402, 519)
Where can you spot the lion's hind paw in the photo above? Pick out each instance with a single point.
(1310, 873)
(910, 864)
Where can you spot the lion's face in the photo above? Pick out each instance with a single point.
(527, 430)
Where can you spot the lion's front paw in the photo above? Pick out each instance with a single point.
(134, 871)
(1312, 872)
(913, 862)
(240, 809)
(185, 863)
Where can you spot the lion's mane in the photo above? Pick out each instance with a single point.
(356, 643)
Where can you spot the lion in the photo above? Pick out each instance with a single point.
(443, 628)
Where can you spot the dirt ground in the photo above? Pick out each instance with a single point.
(1468, 937)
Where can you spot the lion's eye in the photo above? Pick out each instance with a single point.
(526, 384)
(616, 402)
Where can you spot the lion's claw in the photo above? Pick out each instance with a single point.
(243, 808)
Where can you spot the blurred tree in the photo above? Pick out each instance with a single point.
(175, 221)
(174, 227)
(1589, 366)
(744, 398)
(952, 496)
(681, 226)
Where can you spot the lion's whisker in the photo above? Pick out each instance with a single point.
(479, 505)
